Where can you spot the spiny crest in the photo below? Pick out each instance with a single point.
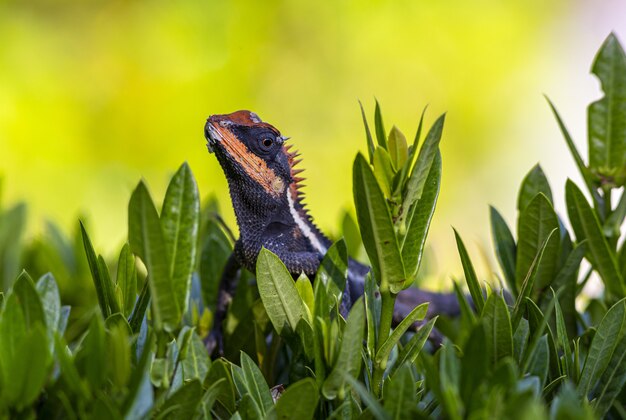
(296, 186)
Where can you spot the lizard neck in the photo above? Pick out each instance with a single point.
(305, 224)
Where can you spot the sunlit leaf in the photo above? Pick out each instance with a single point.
(145, 234)
(417, 179)
(534, 182)
(607, 116)
(278, 292)
(179, 222)
(376, 227)
(470, 274)
(418, 221)
(535, 224)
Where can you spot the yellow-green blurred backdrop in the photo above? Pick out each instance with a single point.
(95, 95)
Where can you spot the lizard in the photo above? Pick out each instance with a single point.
(265, 186)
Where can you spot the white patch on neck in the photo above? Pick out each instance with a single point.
(304, 227)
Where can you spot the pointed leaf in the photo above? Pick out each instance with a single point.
(418, 313)
(586, 226)
(127, 279)
(534, 183)
(179, 221)
(504, 244)
(607, 116)
(299, 401)
(376, 227)
(418, 222)
(349, 359)
(608, 335)
(278, 292)
(535, 224)
(419, 174)
(398, 149)
(470, 274)
(380, 127)
(147, 241)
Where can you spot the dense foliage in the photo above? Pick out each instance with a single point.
(288, 352)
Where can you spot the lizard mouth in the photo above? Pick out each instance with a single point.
(211, 135)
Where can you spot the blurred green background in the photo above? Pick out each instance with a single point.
(95, 95)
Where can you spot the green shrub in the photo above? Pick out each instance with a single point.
(140, 351)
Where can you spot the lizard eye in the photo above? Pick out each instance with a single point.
(266, 143)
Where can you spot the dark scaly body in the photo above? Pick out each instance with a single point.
(267, 199)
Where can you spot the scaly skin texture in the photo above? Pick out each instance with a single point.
(266, 195)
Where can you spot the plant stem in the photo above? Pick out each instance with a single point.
(384, 330)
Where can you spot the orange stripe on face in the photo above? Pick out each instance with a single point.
(255, 167)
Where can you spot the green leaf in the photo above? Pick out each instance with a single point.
(608, 335)
(220, 370)
(540, 359)
(563, 340)
(398, 149)
(477, 359)
(96, 275)
(607, 116)
(528, 283)
(147, 241)
(584, 171)
(50, 300)
(536, 222)
(196, 363)
(278, 292)
(368, 135)
(25, 291)
(30, 370)
(499, 332)
(418, 222)
(140, 308)
(305, 290)
(419, 174)
(109, 290)
(566, 282)
(399, 395)
(587, 227)
(180, 218)
(12, 331)
(418, 313)
(368, 398)
(383, 170)
(612, 380)
(182, 403)
(567, 405)
(411, 350)
(92, 356)
(470, 274)
(333, 269)
(207, 401)
(118, 354)
(255, 384)
(380, 127)
(534, 183)
(505, 247)
(127, 279)
(349, 359)
(376, 228)
(299, 401)
(216, 250)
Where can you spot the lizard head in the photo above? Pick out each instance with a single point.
(252, 152)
